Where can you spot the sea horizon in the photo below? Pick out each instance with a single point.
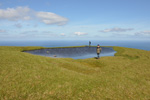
(137, 44)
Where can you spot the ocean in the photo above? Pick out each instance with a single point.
(144, 45)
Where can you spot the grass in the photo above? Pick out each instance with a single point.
(23, 76)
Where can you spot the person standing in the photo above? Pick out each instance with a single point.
(89, 43)
(98, 50)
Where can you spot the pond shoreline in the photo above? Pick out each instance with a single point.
(75, 52)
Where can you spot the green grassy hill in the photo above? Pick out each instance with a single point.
(23, 76)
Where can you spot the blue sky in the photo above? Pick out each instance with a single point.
(74, 20)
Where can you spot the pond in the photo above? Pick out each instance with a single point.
(73, 52)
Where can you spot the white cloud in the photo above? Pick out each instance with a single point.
(144, 33)
(25, 13)
(80, 33)
(15, 14)
(3, 31)
(51, 18)
(116, 30)
(62, 34)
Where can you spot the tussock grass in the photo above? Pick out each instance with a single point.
(23, 76)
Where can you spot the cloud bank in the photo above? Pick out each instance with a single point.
(116, 30)
(25, 13)
(15, 14)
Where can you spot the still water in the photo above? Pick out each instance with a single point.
(75, 53)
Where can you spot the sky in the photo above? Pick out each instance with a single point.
(75, 20)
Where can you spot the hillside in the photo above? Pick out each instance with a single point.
(24, 76)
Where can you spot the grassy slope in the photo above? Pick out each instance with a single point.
(32, 77)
